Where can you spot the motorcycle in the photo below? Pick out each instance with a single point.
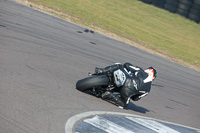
(98, 83)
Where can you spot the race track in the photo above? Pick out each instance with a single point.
(42, 57)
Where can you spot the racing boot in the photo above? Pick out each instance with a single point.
(99, 70)
(115, 99)
(108, 69)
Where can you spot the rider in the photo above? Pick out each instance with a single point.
(137, 83)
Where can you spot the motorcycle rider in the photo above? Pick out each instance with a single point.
(137, 83)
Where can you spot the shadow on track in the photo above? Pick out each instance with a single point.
(130, 106)
(136, 108)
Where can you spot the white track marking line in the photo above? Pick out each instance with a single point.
(69, 126)
(107, 125)
(153, 125)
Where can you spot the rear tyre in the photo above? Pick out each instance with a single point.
(90, 82)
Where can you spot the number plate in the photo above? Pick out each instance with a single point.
(119, 77)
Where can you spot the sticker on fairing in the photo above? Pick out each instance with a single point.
(119, 77)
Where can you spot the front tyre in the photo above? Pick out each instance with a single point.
(90, 82)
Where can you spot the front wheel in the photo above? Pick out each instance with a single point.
(90, 82)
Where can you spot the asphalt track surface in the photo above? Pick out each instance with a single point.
(42, 57)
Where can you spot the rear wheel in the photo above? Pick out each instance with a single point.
(90, 82)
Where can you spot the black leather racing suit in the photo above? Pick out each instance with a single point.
(135, 86)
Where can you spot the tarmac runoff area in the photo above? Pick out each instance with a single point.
(115, 122)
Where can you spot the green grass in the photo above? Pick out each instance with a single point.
(150, 26)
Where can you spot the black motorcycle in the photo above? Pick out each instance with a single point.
(98, 83)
